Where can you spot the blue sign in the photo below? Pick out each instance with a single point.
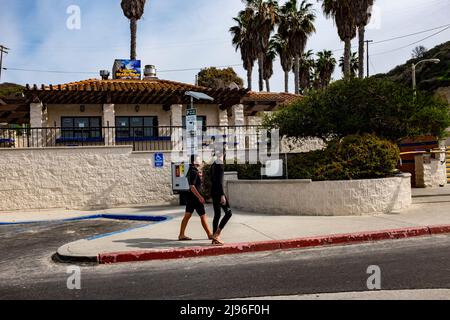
(127, 69)
(159, 160)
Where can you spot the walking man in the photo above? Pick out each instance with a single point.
(220, 201)
(194, 201)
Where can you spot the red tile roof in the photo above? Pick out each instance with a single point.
(148, 91)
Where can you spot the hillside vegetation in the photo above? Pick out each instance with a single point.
(7, 89)
(430, 76)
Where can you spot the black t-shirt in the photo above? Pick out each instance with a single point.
(194, 180)
(217, 173)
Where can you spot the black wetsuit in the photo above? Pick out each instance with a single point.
(192, 202)
(217, 174)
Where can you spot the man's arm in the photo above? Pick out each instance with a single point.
(197, 194)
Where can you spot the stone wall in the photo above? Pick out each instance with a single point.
(82, 178)
(431, 172)
(301, 145)
(324, 198)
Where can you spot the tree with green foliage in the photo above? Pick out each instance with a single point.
(325, 66)
(360, 106)
(133, 10)
(219, 78)
(244, 41)
(306, 71)
(342, 12)
(354, 64)
(362, 13)
(281, 46)
(268, 65)
(263, 19)
(297, 25)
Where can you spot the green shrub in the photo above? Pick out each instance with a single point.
(359, 106)
(364, 157)
(352, 157)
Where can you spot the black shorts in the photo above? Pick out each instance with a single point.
(195, 204)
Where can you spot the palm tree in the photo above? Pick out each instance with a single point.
(343, 14)
(297, 25)
(362, 17)
(133, 10)
(281, 47)
(354, 64)
(268, 64)
(263, 23)
(325, 66)
(306, 71)
(244, 40)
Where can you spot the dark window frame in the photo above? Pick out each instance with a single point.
(78, 133)
(137, 132)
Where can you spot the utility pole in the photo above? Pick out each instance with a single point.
(367, 52)
(3, 50)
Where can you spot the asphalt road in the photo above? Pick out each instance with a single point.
(27, 271)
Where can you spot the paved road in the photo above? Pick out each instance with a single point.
(405, 264)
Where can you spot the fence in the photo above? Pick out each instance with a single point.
(152, 138)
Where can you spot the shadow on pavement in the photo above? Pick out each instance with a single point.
(147, 243)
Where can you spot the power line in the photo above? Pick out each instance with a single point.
(416, 42)
(401, 37)
(92, 73)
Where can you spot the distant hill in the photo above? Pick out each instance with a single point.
(429, 76)
(7, 89)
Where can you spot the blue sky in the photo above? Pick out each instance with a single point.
(180, 34)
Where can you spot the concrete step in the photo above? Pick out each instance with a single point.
(435, 199)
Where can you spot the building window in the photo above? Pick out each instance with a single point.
(201, 122)
(136, 127)
(81, 128)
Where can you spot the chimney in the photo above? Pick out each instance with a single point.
(104, 74)
(150, 72)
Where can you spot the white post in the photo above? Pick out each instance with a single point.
(109, 124)
(36, 124)
(223, 118)
(237, 120)
(176, 115)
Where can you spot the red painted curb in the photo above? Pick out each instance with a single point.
(439, 229)
(165, 254)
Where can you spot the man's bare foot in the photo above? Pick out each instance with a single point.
(184, 238)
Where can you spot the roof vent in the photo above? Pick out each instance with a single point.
(150, 72)
(104, 74)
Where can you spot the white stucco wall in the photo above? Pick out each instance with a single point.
(82, 178)
(324, 198)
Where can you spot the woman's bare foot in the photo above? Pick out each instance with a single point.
(184, 238)
(217, 242)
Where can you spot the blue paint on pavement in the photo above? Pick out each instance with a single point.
(166, 219)
(96, 216)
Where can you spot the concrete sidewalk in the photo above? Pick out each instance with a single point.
(248, 228)
(244, 230)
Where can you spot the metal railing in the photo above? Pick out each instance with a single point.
(152, 138)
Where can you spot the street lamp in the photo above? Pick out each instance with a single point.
(414, 65)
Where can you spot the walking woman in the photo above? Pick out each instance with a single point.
(220, 201)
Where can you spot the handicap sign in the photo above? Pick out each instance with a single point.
(159, 160)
